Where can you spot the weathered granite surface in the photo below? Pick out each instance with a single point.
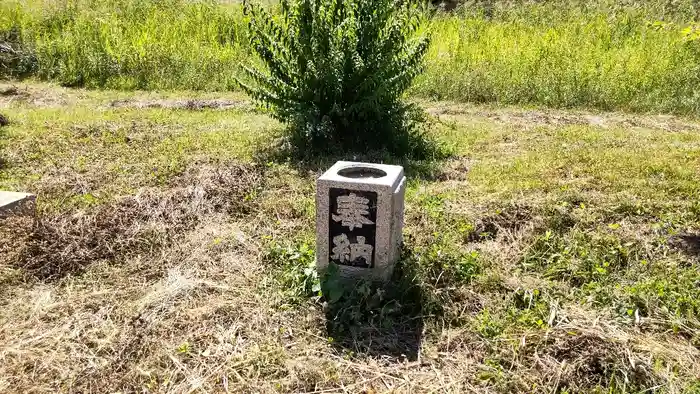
(359, 216)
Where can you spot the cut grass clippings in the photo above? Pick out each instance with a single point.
(66, 243)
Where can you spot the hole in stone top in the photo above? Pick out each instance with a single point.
(361, 172)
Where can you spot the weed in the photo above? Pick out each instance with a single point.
(295, 268)
(530, 309)
(375, 319)
(580, 258)
(674, 299)
(487, 326)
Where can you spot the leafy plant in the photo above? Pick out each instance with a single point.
(15, 59)
(336, 70)
(691, 32)
(379, 318)
(296, 269)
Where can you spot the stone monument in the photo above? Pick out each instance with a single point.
(359, 219)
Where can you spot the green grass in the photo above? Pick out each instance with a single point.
(577, 58)
(644, 56)
(131, 44)
(554, 251)
(130, 148)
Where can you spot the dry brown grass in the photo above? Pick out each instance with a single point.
(531, 118)
(170, 288)
(197, 312)
(66, 243)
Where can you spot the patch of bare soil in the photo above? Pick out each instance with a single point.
(47, 96)
(534, 118)
(13, 91)
(34, 96)
(189, 104)
(455, 169)
(687, 243)
(511, 219)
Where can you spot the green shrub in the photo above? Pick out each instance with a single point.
(336, 70)
(15, 60)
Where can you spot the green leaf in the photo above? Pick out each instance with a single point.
(336, 70)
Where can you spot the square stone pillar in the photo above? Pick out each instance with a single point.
(359, 219)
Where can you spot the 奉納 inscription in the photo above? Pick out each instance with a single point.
(352, 211)
(353, 215)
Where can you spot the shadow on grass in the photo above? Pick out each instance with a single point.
(423, 160)
(3, 122)
(688, 243)
(376, 320)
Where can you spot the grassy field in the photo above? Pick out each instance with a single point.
(553, 252)
(641, 56)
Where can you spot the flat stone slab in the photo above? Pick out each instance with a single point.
(16, 203)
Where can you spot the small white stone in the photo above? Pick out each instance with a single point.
(12, 203)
